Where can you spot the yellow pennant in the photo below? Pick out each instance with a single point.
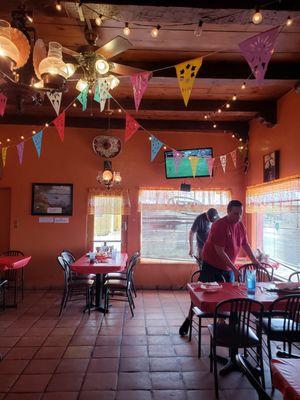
(194, 162)
(4, 150)
(186, 74)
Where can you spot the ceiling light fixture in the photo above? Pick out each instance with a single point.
(52, 69)
(198, 31)
(257, 17)
(155, 31)
(102, 66)
(126, 29)
(108, 177)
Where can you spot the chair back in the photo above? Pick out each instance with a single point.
(65, 267)
(294, 277)
(130, 269)
(10, 253)
(262, 274)
(241, 320)
(67, 256)
(195, 276)
(287, 308)
(269, 268)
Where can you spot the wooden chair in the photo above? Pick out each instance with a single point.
(13, 275)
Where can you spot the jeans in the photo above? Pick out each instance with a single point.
(212, 274)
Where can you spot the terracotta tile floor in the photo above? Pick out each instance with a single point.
(115, 357)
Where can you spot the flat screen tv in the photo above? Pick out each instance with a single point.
(185, 169)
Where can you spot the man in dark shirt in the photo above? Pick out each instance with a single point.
(201, 228)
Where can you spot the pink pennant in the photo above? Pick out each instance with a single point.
(59, 123)
(139, 85)
(210, 164)
(223, 162)
(20, 148)
(233, 156)
(3, 100)
(131, 127)
(258, 50)
(177, 156)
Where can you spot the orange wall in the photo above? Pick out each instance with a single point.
(74, 162)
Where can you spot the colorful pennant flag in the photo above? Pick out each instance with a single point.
(139, 85)
(131, 127)
(177, 156)
(223, 161)
(59, 123)
(233, 156)
(258, 50)
(4, 151)
(210, 164)
(20, 148)
(3, 100)
(37, 140)
(194, 162)
(102, 92)
(186, 74)
(155, 146)
(82, 97)
(55, 99)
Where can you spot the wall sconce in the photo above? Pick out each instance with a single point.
(108, 177)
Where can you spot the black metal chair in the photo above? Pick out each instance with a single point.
(121, 288)
(294, 277)
(240, 330)
(74, 288)
(69, 258)
(3, 283)
(283, 322)
(123, 275)
(13, 275)
(262, 274)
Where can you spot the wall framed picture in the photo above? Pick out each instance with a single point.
(52, 199)
(271, 166)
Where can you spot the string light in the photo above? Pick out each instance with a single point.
(233, 135)
(74, 105)
(234, 97)
(165, 147)
(46, 125)
(150, 138)
(8, 140)
(29, 16)
(227, 105)
(214, 125)
(289, 21)
(155, 31)
(90, 91)
(198, 31)
(205, 116)
(22, 137)
(240, 139)
(119, 110)
(58, 5)
(126, 29)
(257, 17)
(219, 110)
(33, 132)
(98, 20)
(243, 86)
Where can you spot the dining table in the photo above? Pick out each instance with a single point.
(100, 267)
(14, 264)
(285, 377)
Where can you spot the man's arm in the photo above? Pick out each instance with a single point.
(250, 254)
(191, 240)
(224, 257)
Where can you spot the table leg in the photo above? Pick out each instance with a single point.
(231, 364)
(98, 295)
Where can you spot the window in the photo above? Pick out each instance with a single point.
(167, 217)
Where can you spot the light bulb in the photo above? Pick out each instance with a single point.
(150, 138)
(81, 85)
(205, 116)
(289, 21)
(227, 105)
(257, 17)
(22, 137)
(219, 110)
(243, 86)
(126, 29)
(8, 140)
(198, 31)
(74, 105)
(114, 81)
(119, 110)
(58, 5)
(107, 175)
(165, 147)
(33, 132)
(46, 125)
(234, 97)
(214, 125)
(117, 177)
(102, 66)
(240, 139)
(98, 20)
(155, 31)
(29, 16)
(233, 135)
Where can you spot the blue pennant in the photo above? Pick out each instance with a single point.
(37, 140)
(82, 97)
(155, 146)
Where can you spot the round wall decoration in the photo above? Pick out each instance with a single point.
(107, 146)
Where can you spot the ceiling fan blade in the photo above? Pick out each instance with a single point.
(114, 47)
(70, 52)
(121, 69)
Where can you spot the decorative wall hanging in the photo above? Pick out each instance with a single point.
(107, 146)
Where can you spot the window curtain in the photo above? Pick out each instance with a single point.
(196, 200)
(282, 195)
(108, 202)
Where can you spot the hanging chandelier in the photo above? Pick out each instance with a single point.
(108, 177)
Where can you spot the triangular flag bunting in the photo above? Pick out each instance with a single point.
(139, 85)
(82, 97)
(3, 100)
(186, 74)
(20, 148)
(155, 146)
(37, 140)
(4, 151)
(55, 99)
(59, 123)
(194, 162)
(177, 156)
(233, 156)
(131, 127)
(258, 50)
(223, 162)
(102, 92)
(210, 164)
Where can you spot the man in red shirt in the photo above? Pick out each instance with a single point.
(226, 237)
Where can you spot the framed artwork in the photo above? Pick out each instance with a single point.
(271, 166)
(52, 199)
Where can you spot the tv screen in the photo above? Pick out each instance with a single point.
(185, 169)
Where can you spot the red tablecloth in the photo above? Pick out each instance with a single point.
(286, 377)
(83, 265)
(207, 301)
(13, 262)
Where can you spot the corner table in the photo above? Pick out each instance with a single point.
(100, 269)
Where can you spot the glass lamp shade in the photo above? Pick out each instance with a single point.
(53, 64)
(114, 81)
(117, 177)
(81, 85)
(107, 175)
(102, 66)
(7, 47)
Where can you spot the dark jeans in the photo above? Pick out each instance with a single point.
(212, 274)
